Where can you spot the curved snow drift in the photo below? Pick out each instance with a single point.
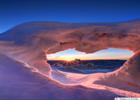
(30, 42)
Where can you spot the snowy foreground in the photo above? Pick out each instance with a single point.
(17, 82)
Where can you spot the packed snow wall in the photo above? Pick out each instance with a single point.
(30, 42)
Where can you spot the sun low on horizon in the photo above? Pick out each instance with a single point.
(72, 54)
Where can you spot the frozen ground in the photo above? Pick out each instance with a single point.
(18, 82)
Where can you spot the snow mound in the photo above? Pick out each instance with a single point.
(127, 77)
(17, 82)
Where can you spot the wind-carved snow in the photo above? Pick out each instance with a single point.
(29, 43)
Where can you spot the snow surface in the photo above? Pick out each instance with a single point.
(19, 82)
(25, 74)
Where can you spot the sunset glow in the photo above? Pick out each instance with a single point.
(68, 59)
(72, 54)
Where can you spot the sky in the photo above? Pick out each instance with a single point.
(14, 12)
(72, 54)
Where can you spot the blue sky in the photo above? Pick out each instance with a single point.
(13, 12)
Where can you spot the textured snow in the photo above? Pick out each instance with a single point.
(28, 44)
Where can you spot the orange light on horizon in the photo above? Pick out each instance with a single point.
(71, 54)
(67, 58)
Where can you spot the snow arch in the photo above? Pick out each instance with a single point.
(30, 42)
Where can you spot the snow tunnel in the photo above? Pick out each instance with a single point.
(31, 42)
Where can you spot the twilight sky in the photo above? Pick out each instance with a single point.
(72, 54)
(13, 12)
